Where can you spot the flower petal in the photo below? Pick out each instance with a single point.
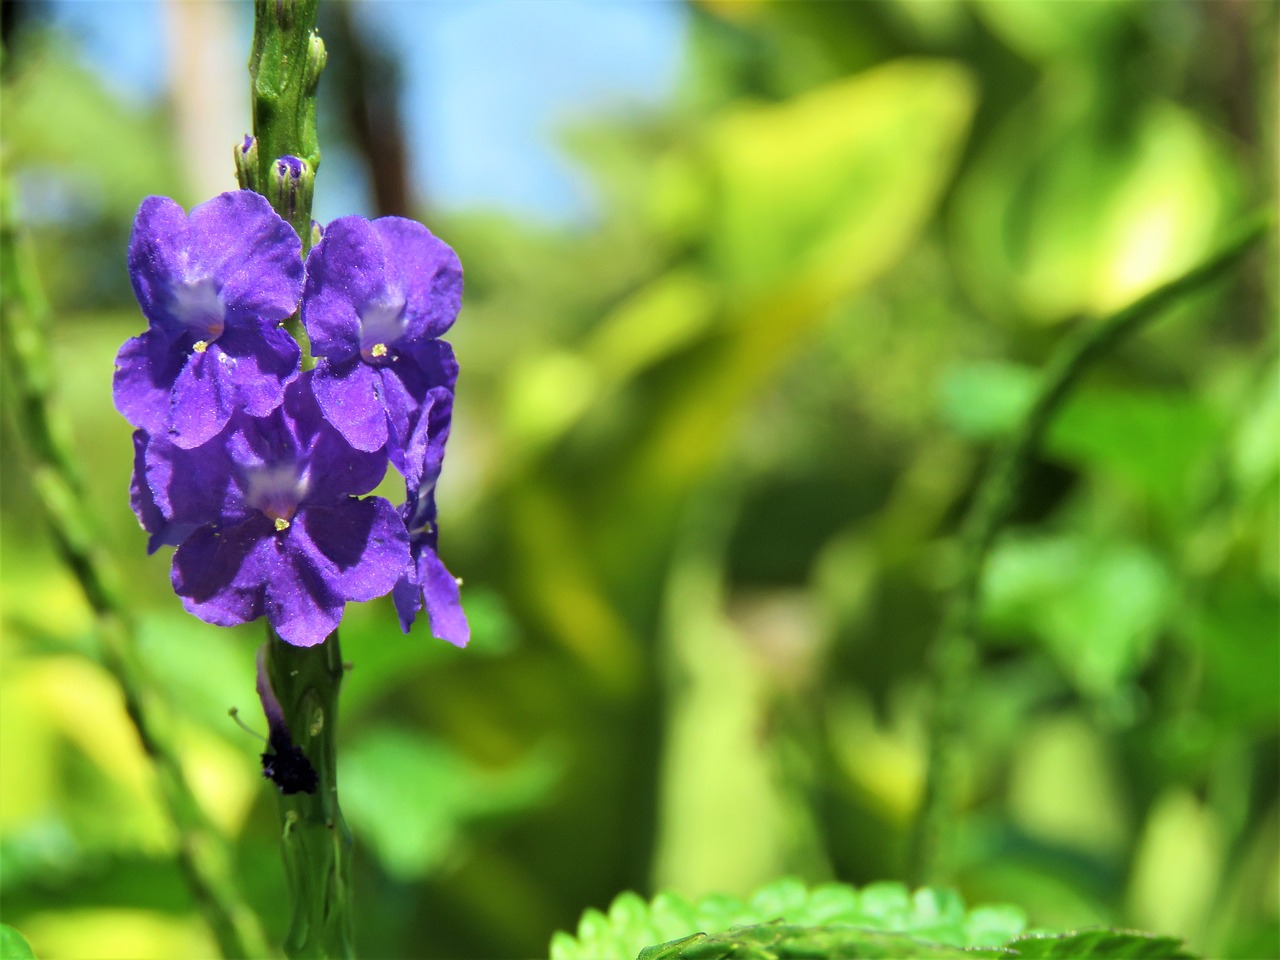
(349, 396)
(193, 487)
(300, 604)
(256, 257)
(219, 574)
(157, 248)
(147, 367)
(425, 271)
(360, 547)
(420, 383)
(235, 248)
(346, 271)
(202, 401)
(428, 580)
(256, 366)
(148, 512)
(433, 367)
(336, 469)
(444, 600)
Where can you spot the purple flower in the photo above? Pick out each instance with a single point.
(214, 287)
(279, 531)
(425, 578)
(377, 296)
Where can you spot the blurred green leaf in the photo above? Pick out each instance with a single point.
(1096, 605)
(1062, 216)
(1236, 629)
(13, 946)
(816, 197)
(410, 796)
(986, 400)
(1153, 441)
(1055, 32)
(825, 190)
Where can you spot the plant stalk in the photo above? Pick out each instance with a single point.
(287, 59)
(955, 650)
(314, 840)
(204, 854)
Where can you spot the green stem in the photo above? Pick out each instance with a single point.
(314, 840)
(955, 652)
(203, 852)
(284, 69)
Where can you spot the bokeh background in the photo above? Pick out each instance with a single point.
(752, 290)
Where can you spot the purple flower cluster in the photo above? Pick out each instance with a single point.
(256, 470)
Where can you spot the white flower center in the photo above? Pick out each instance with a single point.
(198, 305)
(381, 323)
(276, 490)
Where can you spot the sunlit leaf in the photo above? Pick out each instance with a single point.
(786, 919)
(1060, 216)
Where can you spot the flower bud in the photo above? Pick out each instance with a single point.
(317, 232)
(317, 57)
(290, 186)
(246, 153)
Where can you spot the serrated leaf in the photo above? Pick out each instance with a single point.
(885, 901)
(1101, 945)
(832, 903)
(777, 941)
(672, 916)
(563, 947)
(786, 915)
(782, 898)
(629, 915)
(993, 925)
(938, 905)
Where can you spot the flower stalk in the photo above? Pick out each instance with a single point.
(314, 840)
(287, 59)
(284, 68)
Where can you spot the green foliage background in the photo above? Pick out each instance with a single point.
(707, 465)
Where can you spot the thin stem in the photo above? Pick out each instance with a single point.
(314, 839)
(955, 651)
(203, 852)
(284, 69)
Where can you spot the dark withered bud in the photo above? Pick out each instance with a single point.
(284, 763)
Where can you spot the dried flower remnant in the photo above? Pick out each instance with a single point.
(283, 763)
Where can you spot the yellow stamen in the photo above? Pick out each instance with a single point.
(379, 350)
(282, 523)
(201, 346)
